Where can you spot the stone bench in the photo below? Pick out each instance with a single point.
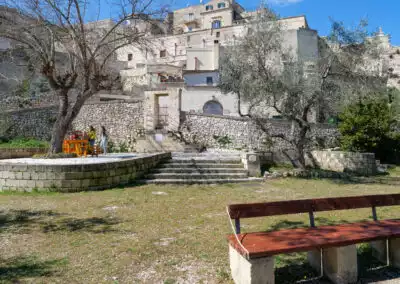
(331, 249)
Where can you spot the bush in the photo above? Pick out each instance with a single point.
(369, 126)
(23, 143)
(223, 141)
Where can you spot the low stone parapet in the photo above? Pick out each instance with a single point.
(340, 161)
(77, 177)
(15, 153)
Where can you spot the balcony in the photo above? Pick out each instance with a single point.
(191, 21)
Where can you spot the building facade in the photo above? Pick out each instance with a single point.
(187, 56)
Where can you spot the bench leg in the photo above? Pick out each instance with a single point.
(394, 250)
(314, 259)
(379, 250)
(254, 271)
(339, 264)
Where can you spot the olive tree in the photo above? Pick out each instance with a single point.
(76, 57)
(267, 75)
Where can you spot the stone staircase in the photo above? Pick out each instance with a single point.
(162, 142)
(200, 168)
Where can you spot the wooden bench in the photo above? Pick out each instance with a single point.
(331, 249)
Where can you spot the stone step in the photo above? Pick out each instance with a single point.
(200, 170)
(199, 181)
(201, 165)
(196, 176)
(204, 161)
(180, 154)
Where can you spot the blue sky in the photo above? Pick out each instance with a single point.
(383, 13)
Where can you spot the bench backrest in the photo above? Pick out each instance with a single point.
(251, 210)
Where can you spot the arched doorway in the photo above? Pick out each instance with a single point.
(213, 107)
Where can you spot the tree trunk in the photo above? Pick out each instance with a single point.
(300, 146)
(57, 137)
(66, 114)
(61, 125)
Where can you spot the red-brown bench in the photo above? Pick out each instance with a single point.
(331, 249)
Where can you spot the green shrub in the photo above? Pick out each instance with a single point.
(369, 126)
(23, 143)
(111, 147)
(123, 147)
(223, 141)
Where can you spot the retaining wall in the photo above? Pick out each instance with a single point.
(243, 134)
(15, 153)
(338, 161)
(122, 120)
(72, 178)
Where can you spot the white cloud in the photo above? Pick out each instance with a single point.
(283, 2)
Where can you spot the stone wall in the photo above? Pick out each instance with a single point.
(121, 120)
(245, 135)
(15, 153)
(72, 178)
(338, 161)
(33, 123)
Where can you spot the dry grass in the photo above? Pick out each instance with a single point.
(151, 234)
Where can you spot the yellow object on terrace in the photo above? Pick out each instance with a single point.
(79, 147)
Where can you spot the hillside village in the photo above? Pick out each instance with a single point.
(206, 144)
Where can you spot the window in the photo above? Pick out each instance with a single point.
(221, 5)
(130, 56)
(188, 39)
(209, 7)
(190, 29)
(217, 34)
(209, 80)
(191, 17)
(216, 24)
(216, 41)
(213, 107)
(163, 53)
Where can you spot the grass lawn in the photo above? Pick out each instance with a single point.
(155, 234)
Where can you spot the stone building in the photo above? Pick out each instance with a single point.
(184, 60)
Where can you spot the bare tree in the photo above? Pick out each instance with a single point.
(267, 75)
(75, 56)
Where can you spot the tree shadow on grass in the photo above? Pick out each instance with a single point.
(292, 268)
(286, 224)
(350, 178)
(319, 221)
(24, 221)
(372, 270)
(12, 270)
(91, 225)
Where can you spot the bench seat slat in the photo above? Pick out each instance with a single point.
(238, 211)
(305, 239)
